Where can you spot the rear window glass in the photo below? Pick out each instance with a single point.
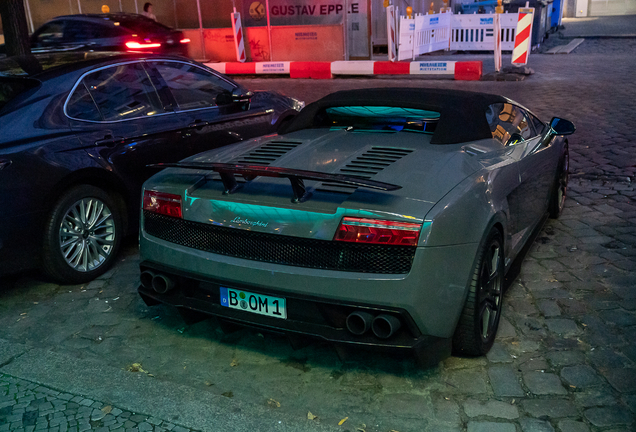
(10, 88)
(382, 118)
(141, 25)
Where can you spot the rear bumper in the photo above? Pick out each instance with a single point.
(307, 315)
(430, 297)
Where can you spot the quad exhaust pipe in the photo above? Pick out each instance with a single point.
(383, 326)
(156, 281)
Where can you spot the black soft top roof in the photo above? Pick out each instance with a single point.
(462, 113)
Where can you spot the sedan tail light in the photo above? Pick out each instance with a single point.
(375, 231)
(185, 40)
(134, 45)
(163, 203)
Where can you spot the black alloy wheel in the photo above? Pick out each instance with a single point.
(478, 323)
(82, 235)
(560, 188)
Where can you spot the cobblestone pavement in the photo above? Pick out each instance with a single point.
(564, 360)
(25, 406)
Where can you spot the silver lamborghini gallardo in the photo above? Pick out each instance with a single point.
(382, 217)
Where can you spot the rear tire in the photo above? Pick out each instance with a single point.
(559, 190)
(82, 235)
(478, 323)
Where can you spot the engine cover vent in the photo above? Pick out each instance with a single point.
(267, 153)
(366, 166)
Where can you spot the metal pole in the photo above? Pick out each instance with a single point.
(201, 29)
(345, 29)
(28, 11)
(136, 7)
(269, 33)
(70, 6)
(79, 6)
(120, 9)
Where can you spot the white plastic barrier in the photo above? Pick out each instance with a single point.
(407, 34)
(424, 34)
(476, 32)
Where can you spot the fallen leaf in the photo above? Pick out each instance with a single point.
(273, 403)
(107, 409)
(234, 363)
(572, 386)
(208, 383)
(136, 367)
(310, 416)
(228, 394)
(342, 421)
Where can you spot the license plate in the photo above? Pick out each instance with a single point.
(255, 303)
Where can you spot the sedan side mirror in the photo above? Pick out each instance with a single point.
(241, 95)
(562, 127)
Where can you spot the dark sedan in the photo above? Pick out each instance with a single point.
(76, 133)
(107, 32)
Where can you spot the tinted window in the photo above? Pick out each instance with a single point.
(538, 124)
(123, 92)
(51, 32)
(191, 86)
(80, 30)
(81, 105)
(508, 123)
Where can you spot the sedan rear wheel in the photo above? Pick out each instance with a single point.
(82, 235)
(478, 323)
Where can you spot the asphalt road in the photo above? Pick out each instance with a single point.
(94, 356)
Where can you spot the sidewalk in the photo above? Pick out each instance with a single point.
(600, 27)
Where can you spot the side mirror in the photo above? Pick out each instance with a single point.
(562, 127)
(241, 95)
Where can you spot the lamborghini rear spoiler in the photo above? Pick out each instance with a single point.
(295, 176)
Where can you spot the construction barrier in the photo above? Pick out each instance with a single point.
(424, 34)
(391, 22)
(237, 29)
(475, 32)
(497, 30)
(524, 36)
(460, 70)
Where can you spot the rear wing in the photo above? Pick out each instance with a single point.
(295, 176)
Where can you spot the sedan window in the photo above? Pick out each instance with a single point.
(121, 92)
(192, 87)
(508, 123)
(51, 32)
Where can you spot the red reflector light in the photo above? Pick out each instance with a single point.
(136, 45)
(163, 203)
(375, 231)
(185, 40)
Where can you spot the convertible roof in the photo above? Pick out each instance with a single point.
(462, 113)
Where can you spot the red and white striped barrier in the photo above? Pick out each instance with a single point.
(237, 29)
(460, 70)
(523, 36)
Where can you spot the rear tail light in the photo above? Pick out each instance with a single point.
(375, 231)
(134, 45)
(163, 203)
(185, 41)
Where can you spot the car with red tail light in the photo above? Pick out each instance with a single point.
(377, 217)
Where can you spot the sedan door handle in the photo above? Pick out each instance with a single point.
(109, 141)
(198, 124)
